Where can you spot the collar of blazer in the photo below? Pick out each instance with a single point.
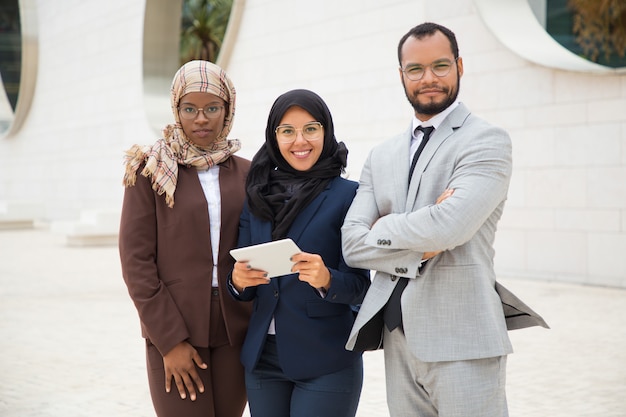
(263, 230)
(302, 220)
(439, 136)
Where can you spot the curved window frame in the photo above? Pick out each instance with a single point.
(160, 53)
(28, 66)
(514, 24)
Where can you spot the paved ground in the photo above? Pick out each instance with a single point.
(70, 344)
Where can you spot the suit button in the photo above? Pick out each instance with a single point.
(275, 293)
(393, 278)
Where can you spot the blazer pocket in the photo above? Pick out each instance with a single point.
(325, 309)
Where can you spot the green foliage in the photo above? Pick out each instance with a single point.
(203, 28)
(600, 27)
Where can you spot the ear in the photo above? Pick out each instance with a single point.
(459, 64)
(401, 75)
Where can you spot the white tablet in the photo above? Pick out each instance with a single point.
(271, 257)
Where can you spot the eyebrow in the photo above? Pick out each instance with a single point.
(304, 124)
(211, 103)
(436, 60)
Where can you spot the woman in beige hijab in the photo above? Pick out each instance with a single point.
(180, 218)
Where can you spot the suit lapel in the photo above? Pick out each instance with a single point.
(302, 220)
(399, 181)
(262, 230)
(439, 136)
(229, 180)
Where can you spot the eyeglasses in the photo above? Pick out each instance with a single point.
(440, 68)
(310, 131)
(191, 112)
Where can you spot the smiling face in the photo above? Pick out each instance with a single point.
(201, 130)
(301, 154)
(431, 94)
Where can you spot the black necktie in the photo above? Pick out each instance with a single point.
(392, 315)
(427, 132)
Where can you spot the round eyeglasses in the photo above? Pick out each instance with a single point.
(310, 131)
(191, 112)
(439, 68)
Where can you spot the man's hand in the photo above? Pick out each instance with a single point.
(446, 194)
(180, 363)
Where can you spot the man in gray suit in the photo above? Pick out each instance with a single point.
(445, 354)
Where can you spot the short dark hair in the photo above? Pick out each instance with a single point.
(428, 29)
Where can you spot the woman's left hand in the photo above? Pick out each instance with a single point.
(311, 269)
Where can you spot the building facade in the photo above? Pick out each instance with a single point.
(102, 79)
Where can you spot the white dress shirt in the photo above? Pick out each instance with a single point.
(210, 181)
(435, 121)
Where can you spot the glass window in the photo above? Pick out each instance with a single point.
(592, 30)
(18, 63)
(176, 31)
(10, 61)
(203, 26)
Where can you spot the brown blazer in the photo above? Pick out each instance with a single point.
(167, 261)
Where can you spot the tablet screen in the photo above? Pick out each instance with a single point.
(271, 257)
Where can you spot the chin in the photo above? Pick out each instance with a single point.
(301, 167)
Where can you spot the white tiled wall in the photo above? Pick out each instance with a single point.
(566, 214)
(87, 108)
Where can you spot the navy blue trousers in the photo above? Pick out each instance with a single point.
(272, 394)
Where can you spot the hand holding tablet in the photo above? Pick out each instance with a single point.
(271, 257)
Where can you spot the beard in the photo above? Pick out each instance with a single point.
(431, 108)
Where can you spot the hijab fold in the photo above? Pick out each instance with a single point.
(276, 191)
(163, 157)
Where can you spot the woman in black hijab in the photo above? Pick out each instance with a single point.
(276, 190)
(294, 355)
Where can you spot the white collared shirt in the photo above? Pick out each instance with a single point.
(210, 181)
(434, 121)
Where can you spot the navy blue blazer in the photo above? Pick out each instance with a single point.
(311, 330)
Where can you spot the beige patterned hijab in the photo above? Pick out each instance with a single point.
(163, 157)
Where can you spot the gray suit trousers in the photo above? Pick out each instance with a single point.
(468, 388)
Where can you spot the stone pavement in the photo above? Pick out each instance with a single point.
(70, 342)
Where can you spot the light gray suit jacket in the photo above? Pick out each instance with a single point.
(451, 309)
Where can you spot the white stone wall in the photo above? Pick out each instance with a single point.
(566, 214)
(87, 107)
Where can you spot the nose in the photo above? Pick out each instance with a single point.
(299, 136)
(429, 75)
(201, 117)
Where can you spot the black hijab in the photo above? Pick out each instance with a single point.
(276, 191)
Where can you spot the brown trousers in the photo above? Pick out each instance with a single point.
(224, 385)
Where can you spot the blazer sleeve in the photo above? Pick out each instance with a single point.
(480, 175)
(159, 315)
(480, 179)
(348, 285)
(245, 239)
(363, 213)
